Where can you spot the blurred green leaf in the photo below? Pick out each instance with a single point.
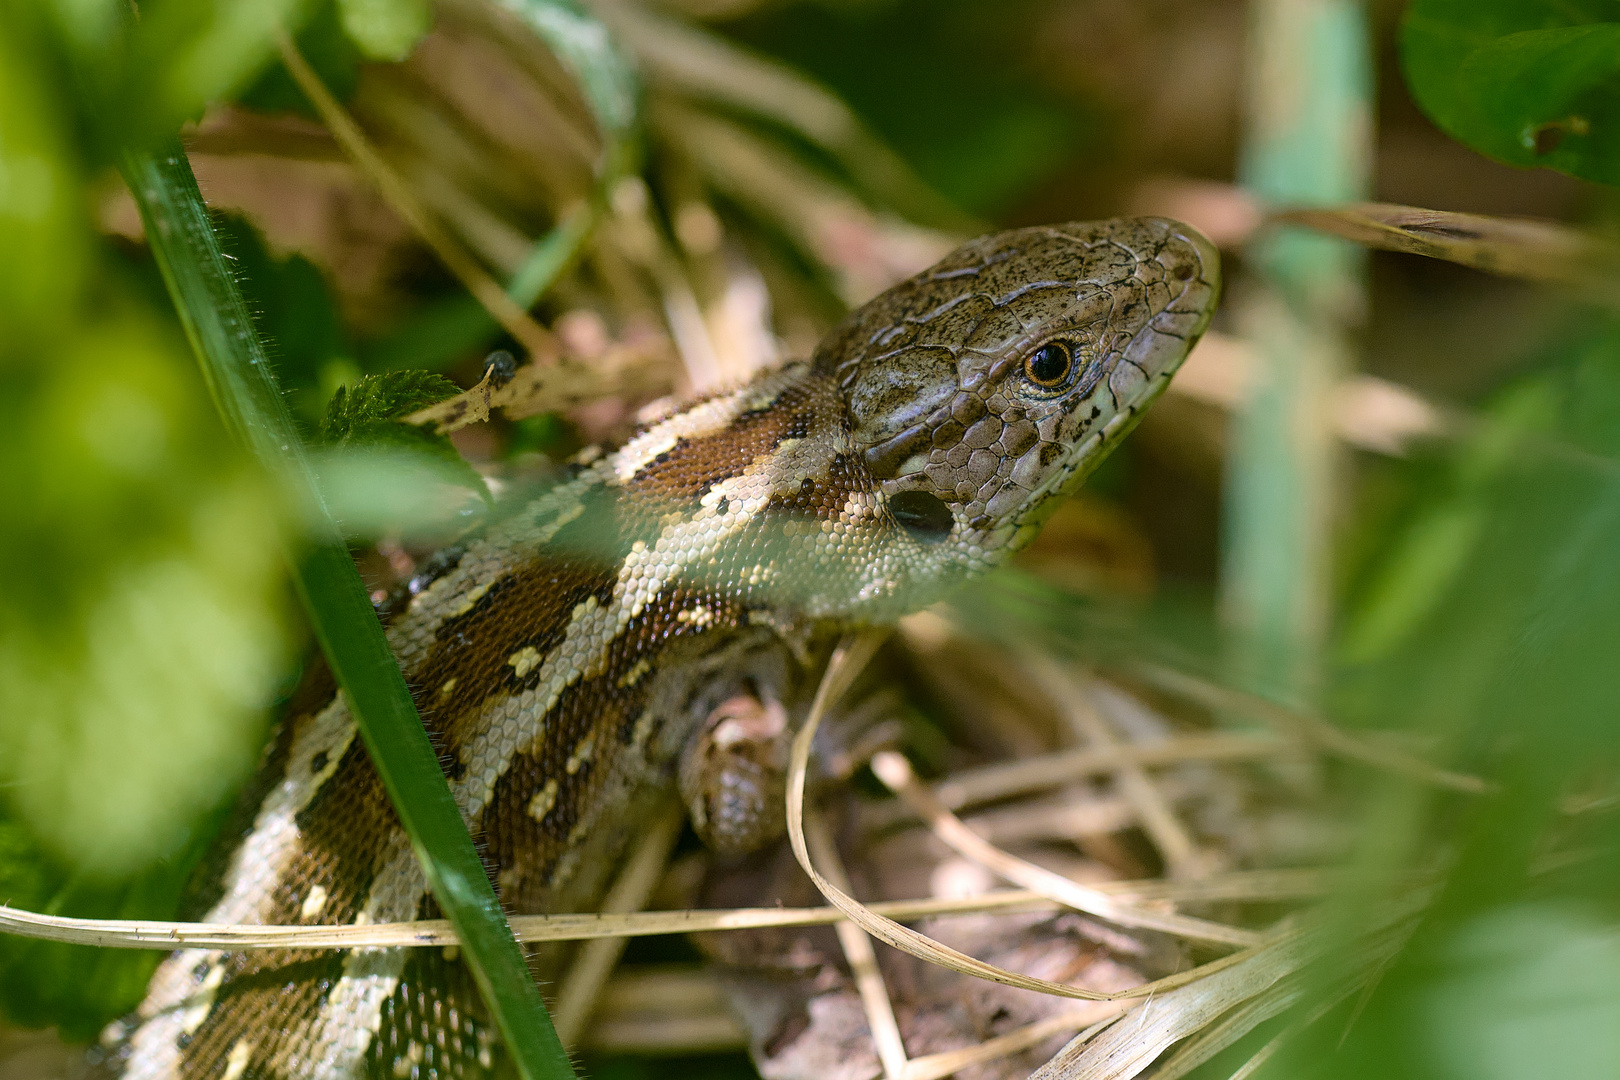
(138, 652)
(188, 53)
(381, 490)
(143, 635)
(1528, 82)
(42, 226)
(386, 29)
(77, 988)
(1530, 990)
(1422, 565)
(327, 49)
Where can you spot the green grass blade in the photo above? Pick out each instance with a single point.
(234, 363)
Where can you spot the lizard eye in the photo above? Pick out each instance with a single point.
(1049, 366)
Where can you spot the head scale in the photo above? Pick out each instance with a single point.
(986, 387)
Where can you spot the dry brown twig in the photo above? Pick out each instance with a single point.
(1511, 247)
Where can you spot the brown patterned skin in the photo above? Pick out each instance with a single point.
(566, 662)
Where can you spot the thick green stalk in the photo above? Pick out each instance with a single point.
(1308, 142)
(244, 387)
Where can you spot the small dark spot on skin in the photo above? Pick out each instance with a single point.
(1183, 272)
(807, 486)
(722, 506)
(200, 972)
(318, 762)
(183, 1040)
(1096, 411)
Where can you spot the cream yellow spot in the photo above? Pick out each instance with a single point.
(543, 801)
(203, 999)
(236, 1064)
(468, 599)
(582, 753)
(446, 687)
(525, 660)
(314, 903)
(633, 676)
(699, 616)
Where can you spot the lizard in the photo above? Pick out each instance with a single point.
(571, 659)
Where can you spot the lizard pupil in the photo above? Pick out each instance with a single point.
(921, 513)
(1049, 365)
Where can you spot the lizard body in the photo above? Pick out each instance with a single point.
(565, 661)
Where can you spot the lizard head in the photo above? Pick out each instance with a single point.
(986, 388)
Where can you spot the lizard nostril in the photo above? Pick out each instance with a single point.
(922, 514)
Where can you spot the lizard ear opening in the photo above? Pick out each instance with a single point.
(922, 514)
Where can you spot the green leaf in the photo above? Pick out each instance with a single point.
(386, 29)
(357, 413)
(211, 307)
(1528, 82)
(370, 489)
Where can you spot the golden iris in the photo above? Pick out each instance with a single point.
(1049, 366)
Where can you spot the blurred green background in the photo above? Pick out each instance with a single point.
(1459, 590)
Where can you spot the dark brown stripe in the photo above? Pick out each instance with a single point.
(535, 605)
(269, 1005)
(526, 851)
(691, 467)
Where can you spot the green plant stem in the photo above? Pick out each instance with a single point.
(233, 361)
(1309, 119)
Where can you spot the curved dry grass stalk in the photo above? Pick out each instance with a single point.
(863, 965)
(1094, 1018)
(1267, 981)
(852, 654)
(1257, 886)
